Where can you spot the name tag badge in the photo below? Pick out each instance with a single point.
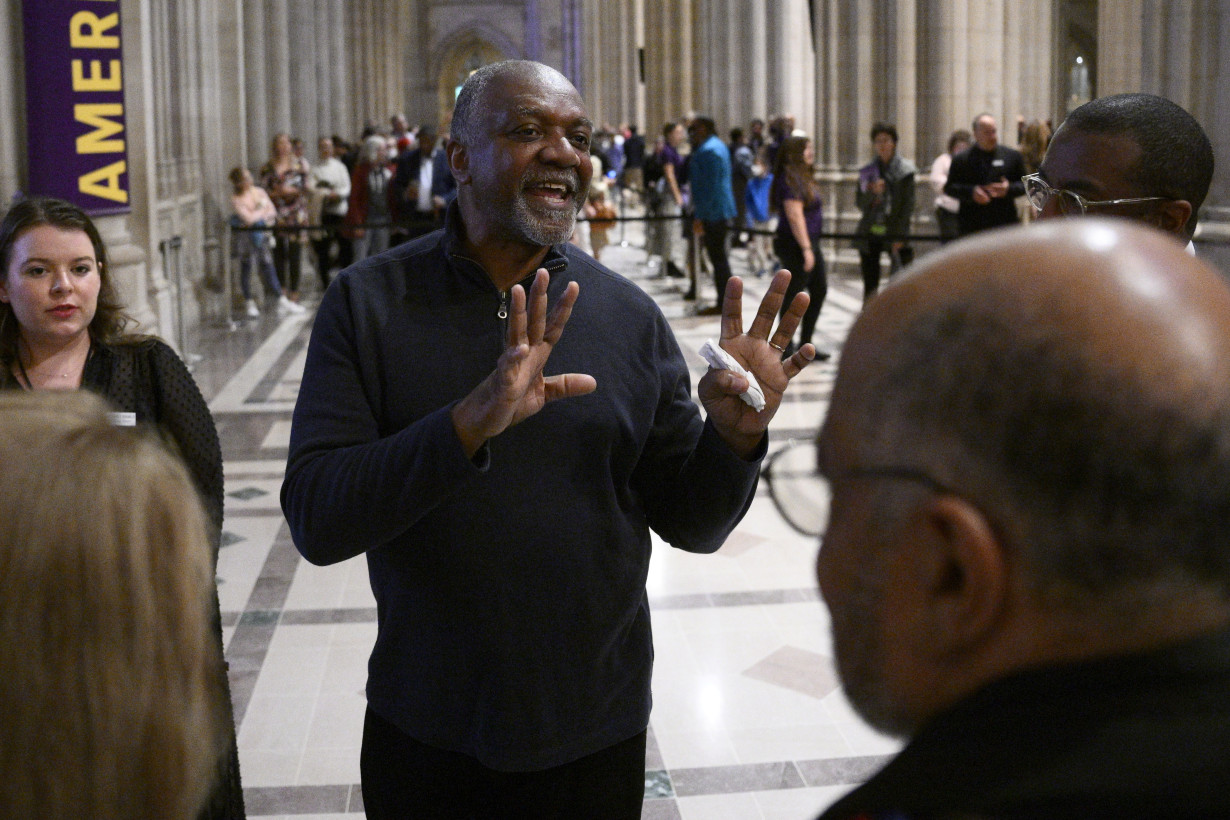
(122, 419)
(996, 163)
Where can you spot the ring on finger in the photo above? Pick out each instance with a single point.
(778, 348)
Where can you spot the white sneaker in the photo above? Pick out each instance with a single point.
(287, 306)
(252, 309)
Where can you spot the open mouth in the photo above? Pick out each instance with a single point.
(557, 193)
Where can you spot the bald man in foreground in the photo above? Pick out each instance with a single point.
(1027, 559)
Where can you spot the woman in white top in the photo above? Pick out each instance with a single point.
(946, 207)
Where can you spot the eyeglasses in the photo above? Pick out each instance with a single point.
(1070, 204)
(800, 494)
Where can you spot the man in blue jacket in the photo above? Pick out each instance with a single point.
(505, 513)
(713, 201)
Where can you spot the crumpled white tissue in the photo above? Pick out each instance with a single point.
(721, 360)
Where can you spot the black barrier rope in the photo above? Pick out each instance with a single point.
(431, 226)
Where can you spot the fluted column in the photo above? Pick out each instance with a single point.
(360, 50)
(903, 73)
(1120, 46)
(828, 82)
(302, 55)
(277, 71)
(338, 70)
(1028, 55)
(322, 119)
(12, 99)
(254, 83)
(127, 236)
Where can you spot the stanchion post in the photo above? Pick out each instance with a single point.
(228, 293)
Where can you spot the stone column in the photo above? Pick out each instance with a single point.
(12, 101)
(902, 77)
(755, 60)
(127, 236)
(1120, 40)
(1028, 57)
(342, 108)
(322, 66)
(277, 71)
(255, 85)
(361, 48)
(302, 22)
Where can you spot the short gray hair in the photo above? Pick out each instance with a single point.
(465, 116)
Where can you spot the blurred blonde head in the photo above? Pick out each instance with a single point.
(1034, 140)
(108, 689)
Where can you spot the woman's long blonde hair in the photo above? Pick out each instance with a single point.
(109, 684)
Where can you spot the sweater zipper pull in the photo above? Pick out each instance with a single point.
(502, 313)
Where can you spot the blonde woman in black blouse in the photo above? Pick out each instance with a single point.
(62, 327)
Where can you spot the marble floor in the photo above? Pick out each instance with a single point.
(749, 722)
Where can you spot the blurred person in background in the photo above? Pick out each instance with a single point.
(946, 207)
(285, 177)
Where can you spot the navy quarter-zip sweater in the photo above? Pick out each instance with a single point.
(510, 588)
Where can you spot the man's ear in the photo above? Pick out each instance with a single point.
(1172, 215)
(960, 575)
(458, 161)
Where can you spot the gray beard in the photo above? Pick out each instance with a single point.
(544, 228)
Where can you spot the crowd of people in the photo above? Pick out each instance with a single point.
(395, 184)
(354, 201)
(1027, 452)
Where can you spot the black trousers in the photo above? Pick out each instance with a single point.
(949, 225)
(288, 260)
(403, 778)
(870, 262)
(790, 256)
(325, 260)
(714, 241)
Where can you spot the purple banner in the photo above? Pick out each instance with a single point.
(76, 131)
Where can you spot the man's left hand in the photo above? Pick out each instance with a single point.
(759, 350)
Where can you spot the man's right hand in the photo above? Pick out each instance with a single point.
(516, 389)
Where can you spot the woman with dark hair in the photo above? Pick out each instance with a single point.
(285, 177)
(62, 327)
(795, 197)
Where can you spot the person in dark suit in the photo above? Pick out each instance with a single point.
(986, 179)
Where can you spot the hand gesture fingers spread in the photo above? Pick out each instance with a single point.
(759, 350)
(517, 388)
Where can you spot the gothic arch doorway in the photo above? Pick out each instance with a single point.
(461, 58)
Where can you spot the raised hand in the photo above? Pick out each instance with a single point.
(759, 350)
(516, 389)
